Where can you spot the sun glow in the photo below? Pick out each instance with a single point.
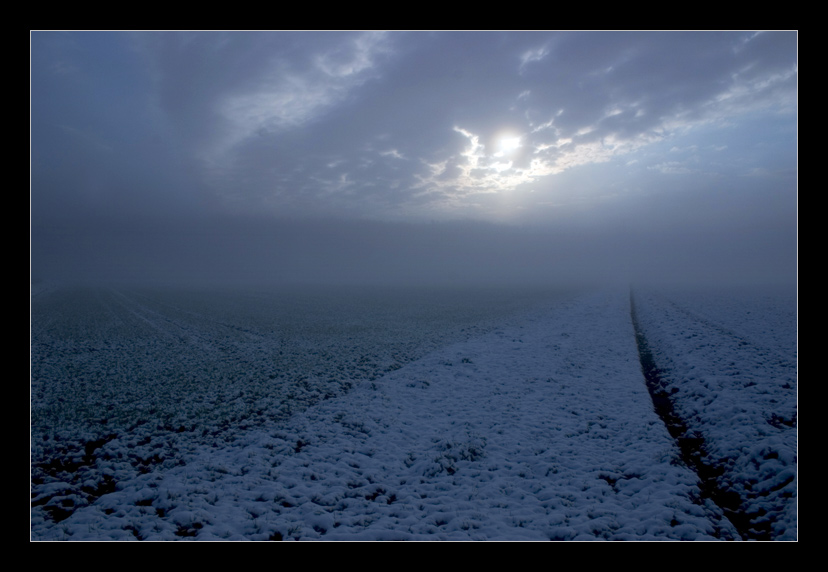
(508, 145)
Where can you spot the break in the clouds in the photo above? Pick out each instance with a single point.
(516, 127)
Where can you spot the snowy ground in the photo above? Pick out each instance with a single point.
(730, 363)
(541, 428)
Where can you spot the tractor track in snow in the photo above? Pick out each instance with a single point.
(685, 384)
(690, 443)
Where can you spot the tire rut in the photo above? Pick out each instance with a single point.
(690, 442)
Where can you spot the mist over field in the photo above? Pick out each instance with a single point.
(259, 250)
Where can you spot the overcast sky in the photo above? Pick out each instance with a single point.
(351, 155)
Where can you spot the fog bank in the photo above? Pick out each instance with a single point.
(250, 250)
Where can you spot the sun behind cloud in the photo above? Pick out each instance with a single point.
(507, 144)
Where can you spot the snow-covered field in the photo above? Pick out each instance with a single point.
(422, 415)
(729, 361)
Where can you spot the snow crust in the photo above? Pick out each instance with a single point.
(541, 429)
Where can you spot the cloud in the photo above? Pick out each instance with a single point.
(671, 168)
(533, 55)
(406, 126)
(286, 96)
(228, 90)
